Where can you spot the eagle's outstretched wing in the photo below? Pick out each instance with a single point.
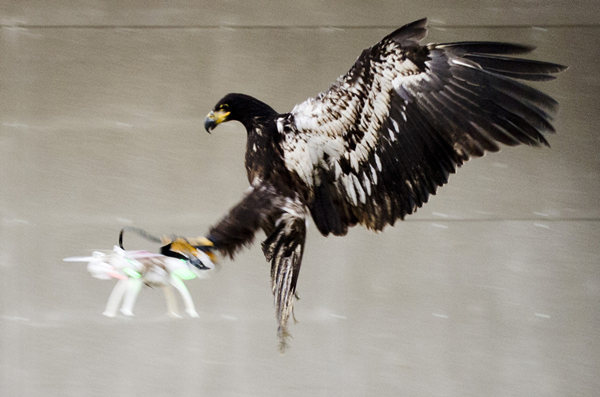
(375, 145)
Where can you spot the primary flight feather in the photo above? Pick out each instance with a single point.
(374, 146)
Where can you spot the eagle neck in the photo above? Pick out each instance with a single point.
(256, 114)
(263, 154)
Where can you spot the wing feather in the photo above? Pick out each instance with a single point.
(404, 117)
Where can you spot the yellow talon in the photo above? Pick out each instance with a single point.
(212, 256)
(201, 242)
(182, 245)
(190, 247)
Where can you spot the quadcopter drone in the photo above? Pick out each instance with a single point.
(180, 260)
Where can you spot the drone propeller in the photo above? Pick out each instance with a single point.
(141, 254)
(127, 254)
(80, 258)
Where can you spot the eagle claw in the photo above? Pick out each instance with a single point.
(199, 251)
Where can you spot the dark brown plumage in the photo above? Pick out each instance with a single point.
(374, 146)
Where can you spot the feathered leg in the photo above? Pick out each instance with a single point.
(258, 209)
(284, 249)
(283, 218)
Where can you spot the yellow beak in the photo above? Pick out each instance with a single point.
(215, 118)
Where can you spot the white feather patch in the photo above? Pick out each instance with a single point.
(359, 189)
(366, 184)
(392, 135)
(378, 162)
(373, 175)
(337, 169)
(280, 125)
(349, 187)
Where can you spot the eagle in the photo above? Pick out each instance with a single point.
(376, 144)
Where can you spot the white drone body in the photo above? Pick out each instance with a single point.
(132, 269)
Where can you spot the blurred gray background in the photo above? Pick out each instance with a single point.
(492, 289)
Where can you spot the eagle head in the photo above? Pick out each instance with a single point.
(220, 113)
(239, 107)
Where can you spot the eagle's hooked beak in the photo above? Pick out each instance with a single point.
(215, 118)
